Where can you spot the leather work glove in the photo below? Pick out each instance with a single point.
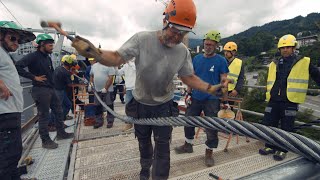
(104, 90)
(226, 105)
(212, 89)
(226, 81)
(89, 88)
(188, 99)
(86, 48)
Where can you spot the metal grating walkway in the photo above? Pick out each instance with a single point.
(112, 154)
(50, 164)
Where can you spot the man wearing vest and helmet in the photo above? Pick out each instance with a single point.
(11, 99)
(287, 86)
(236, 69)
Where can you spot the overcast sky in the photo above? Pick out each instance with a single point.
(112, 22)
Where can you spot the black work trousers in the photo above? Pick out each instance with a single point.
(283, 112)
(161, 134)
(45, 99)
(211, 109)
(118, 89)
(10, 145)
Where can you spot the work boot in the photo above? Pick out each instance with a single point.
(68, 117)
(64, 135)
(127, 127)
(266, 151)
(208, 158)
(49, 144)
(279, 156)
(109, 124)
(186, 148)
(51, 128)
(97, 125)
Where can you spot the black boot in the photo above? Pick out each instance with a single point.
(48, 143)
(64, 135)
(185, 148)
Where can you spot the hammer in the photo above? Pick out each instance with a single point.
(56, 26)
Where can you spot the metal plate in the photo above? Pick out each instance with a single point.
(131, 144)
(237, 168)
(119, 164)
(49, 164)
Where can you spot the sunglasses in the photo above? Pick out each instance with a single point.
(15, 39)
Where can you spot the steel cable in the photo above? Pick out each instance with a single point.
(290, 141)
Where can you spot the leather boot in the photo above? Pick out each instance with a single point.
(48, 143)
(64, 135)
(208, 158)
(186, 148)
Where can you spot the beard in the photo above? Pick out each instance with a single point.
(209, 52)
(169, 41)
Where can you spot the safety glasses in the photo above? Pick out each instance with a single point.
(177, 31)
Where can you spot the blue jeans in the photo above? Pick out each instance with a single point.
(210, 108)
(128, 96)
(66, 105)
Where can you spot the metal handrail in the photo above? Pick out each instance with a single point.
(29, 106)
(264, 87)
(261, 115)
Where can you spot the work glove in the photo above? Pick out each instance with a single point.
(188, 99)
(226, 105)
(226, 81)
(212, 89)
(104, 90)
(86, 48)
(89, 88)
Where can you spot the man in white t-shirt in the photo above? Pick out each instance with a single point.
(102, 77)
(129, 71)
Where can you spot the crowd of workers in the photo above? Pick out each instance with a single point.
(210, 78)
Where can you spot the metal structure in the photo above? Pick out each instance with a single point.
(290, 141)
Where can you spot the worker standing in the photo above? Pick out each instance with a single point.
(11, 99)
(211, 68)
(40, 71)
(159, 56)
(236, 69)
(287, 86)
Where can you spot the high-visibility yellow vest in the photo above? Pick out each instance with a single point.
(234, 71)
(298, 80)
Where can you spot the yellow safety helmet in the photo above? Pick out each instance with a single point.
(230, 46)
(287, 40)
(68, 60)
(73, 56)
(91, 59)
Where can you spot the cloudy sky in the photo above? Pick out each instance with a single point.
(112, 22)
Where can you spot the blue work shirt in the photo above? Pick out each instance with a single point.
(209, 70)
(87, 73)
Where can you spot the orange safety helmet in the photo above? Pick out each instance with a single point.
(181, 12)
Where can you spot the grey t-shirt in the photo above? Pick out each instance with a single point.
(10, 77)
(156, 66)
(101, 75)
